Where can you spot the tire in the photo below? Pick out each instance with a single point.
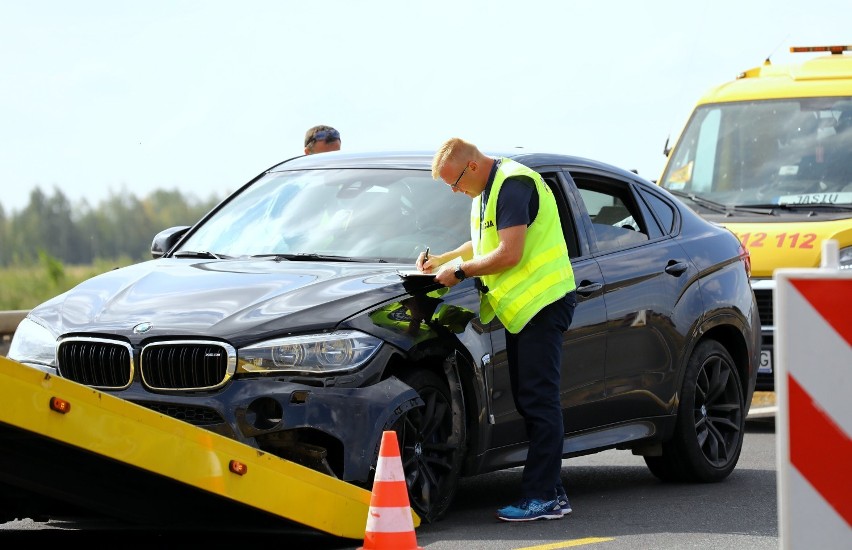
(708, 436)
(431, 444)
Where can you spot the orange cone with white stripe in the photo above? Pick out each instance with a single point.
(389, 522)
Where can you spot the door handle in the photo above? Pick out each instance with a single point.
(676, 268)
(587, 288)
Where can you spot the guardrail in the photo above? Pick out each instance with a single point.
(9, 321)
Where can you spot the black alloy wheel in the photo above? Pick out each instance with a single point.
(710, 426)
(431, 445)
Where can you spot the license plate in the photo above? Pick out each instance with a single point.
(765, 361)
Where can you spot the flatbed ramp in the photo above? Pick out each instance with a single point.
(76, 446)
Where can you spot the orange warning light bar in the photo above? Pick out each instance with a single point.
(237, 467)
(60, 405)
(836, 50)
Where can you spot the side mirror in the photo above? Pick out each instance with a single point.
(166, 239)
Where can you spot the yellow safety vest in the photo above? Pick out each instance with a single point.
(544, 273)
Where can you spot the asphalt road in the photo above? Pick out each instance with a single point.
(617, 505)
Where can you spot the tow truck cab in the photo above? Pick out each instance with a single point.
(769, 155)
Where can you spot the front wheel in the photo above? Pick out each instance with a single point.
(431, 442)
(710, 424)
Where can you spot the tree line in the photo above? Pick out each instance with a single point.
(121, 226)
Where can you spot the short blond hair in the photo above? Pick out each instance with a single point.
(451, 150)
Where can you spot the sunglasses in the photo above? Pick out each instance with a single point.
(458, 179)
(325, 135)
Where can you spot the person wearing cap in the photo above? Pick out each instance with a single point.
(321, 139)
(518, 257)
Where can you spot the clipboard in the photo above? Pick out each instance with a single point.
(415, 274)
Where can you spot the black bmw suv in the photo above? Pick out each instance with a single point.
(282, 319)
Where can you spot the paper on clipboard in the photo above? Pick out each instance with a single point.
(414, 274)
(417, 274)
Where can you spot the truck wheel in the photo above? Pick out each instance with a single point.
(710, 424)
(430, 446)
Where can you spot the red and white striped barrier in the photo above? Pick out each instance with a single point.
(813, 383)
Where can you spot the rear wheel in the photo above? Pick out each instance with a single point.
(710, 425)
(431, 445)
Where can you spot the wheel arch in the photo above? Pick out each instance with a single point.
(446, 370)
(467, 387)
(729, 330)
(456, 369)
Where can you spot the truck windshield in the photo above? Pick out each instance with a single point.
(751, 153)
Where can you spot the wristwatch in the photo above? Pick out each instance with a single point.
(460, 275)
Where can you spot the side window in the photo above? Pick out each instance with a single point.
(569, 229)
(662, 210)
(616, 217)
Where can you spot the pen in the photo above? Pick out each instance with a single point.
(426, 255)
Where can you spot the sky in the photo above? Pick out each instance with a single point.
(99, 98)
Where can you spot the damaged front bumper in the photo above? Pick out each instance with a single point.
(329, 429)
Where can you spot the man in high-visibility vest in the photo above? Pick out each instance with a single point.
(518, 255)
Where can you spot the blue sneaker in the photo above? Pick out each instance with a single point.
(530, 509)
(564, 505)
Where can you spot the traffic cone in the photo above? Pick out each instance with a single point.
(389, 523)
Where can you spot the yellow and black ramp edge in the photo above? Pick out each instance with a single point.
(69, 443)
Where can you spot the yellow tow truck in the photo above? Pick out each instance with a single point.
(66, 448)
(769, 155)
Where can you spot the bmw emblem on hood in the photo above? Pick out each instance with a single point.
(142, 328)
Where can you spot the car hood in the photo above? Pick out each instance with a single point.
(232, 299)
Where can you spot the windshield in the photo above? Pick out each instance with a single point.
(373, 214)
(792, 151)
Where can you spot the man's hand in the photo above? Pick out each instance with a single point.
(447, 276)
(423, 264)
(444, 265)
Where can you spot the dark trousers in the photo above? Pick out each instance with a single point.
(535, 363)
